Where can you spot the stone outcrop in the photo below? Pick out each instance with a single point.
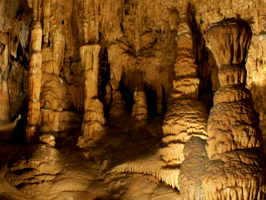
(234, 136)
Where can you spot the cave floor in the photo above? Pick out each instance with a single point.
(67, 172)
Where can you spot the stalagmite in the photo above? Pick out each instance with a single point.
(185, 116)
(94, 113)
(139, 110)
(35, 76)
(4, 104)
(233, 171)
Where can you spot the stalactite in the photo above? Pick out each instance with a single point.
(46, 20)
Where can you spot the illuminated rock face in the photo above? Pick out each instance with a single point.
(186, 116)
(94, 113)
(234, 170)
(35, 77)
(145, 67)
(4, 97)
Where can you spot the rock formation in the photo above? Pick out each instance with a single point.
(4, 97)
(35, 77)
(234, 142)
(94, 113)
(103, 99)
(185, 117)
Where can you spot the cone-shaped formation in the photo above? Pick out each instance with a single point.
(185, 116)
(139, 110)
(233, 126)
(94, 114)
(118, 108)
(35, 77)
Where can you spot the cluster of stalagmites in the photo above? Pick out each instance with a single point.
(185, 118)
(226, 167)
(229, 165)
(234, 139)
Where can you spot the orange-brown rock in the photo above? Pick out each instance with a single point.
(234, 136)
(229, 41)
(185, 116)
(232, 125)
(139, 110)
(236, 175)
(94, 112)
(190, 183)
(4, 97)
(232, 93)
(59, 121)
(175, 60)
(117, 107)
(4, 104)
(35, 76)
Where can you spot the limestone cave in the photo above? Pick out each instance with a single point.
(132, 100)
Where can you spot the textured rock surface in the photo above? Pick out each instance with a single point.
(235, 140)
(154, 60)
(196, 159)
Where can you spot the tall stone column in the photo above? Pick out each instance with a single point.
(235, 141)
(139, 110)
(35, 76)
(185, 116)
(4, 94)
(118, 109)
(93, 113)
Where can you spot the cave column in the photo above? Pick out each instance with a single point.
(93, 113)
(4, 94)
(234, 138)
(185, 116)
(35, 76)
(139, 110)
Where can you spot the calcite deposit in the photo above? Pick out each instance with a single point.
(235, 140)
(126, 100)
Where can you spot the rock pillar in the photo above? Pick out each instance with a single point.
(118, 109)
(234, 142)
(139, 110)
(35, 76)
(4, 94)
(93, 113)
(185, 116)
